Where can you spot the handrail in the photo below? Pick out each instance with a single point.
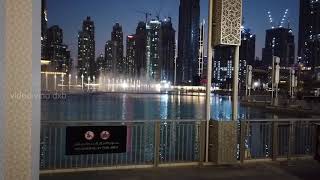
(119, 121)
(280, 120)
(171, 120)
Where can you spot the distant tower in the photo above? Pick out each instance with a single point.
(309, 33)
(44, 27)
(201, 49)
(57, 52)
(188, 41)
(44, 17)
(108, 56)
(117, 49)
(130, 56)
(247, 52)
(167, 50)
(101, 65)
(140, 51)
(86, 49)
(152, 50)
(279, 42)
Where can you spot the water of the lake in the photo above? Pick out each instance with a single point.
(118, 106)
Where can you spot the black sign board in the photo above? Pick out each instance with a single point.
(317, 156)
(96, 140)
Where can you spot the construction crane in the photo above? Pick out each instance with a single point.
(147, 14)
(284, 17)
(270, 19)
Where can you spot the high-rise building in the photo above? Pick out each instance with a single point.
(153, 46)
(167, 50)
(44, 27)
(188, 41)
(129, 64)
(86, 49)
(57, 52)
(108, 56)
(313, 52)
(201, 49)
(247, 52)
(101, 65)
(117, 49)
(222, 64)
(309, 31)
(55, 35)
(140, 51)
(279, 42)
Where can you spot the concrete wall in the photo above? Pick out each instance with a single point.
(20, 74)
(1, 87)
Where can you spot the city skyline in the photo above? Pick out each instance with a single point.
(105, 14)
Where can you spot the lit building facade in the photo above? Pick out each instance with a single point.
(117, 50)
(141, 51)
(57, 52)
(108, 56)
(167, 50)
(86, 49)
(247, 52)
(152, 50)
(222, 65)
(101, 65)
(188, 41)
(44, 27)
(279, 42)
(129, 64)
(309, 32)
(201, 49)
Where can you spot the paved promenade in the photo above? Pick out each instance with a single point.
(296, 170)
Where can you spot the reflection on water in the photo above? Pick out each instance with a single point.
(117, 106)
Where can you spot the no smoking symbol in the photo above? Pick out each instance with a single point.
(105, 135)
(89, 135)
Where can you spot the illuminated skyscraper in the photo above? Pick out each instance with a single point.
(309, 33)
(201, 49)
(44, 27)
(117, 49)
(140, 51)
(279, 42)
(188, 41)
(247, 52)
(86, 49)
(57, 52)
(152, 50)
(108, 56)
(167, 50)
(129, 65)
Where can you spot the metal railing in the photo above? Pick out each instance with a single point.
(148, 143)
(171, 142)
(278, 138)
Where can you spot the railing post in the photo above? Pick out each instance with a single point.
(243, 130)
(156, 143)
(275, 144)
(314, 139)
(202, 139)
(291, 140)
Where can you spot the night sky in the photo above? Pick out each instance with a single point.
(69, 14)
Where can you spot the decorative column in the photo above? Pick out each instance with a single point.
(20, 92)
(2, 89)
(227, 17)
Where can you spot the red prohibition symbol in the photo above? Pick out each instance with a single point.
(105, 135)
(89, 135)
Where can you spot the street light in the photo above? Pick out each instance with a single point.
(275, 79)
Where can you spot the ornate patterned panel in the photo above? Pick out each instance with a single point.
(227, 16)
(18, 80)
